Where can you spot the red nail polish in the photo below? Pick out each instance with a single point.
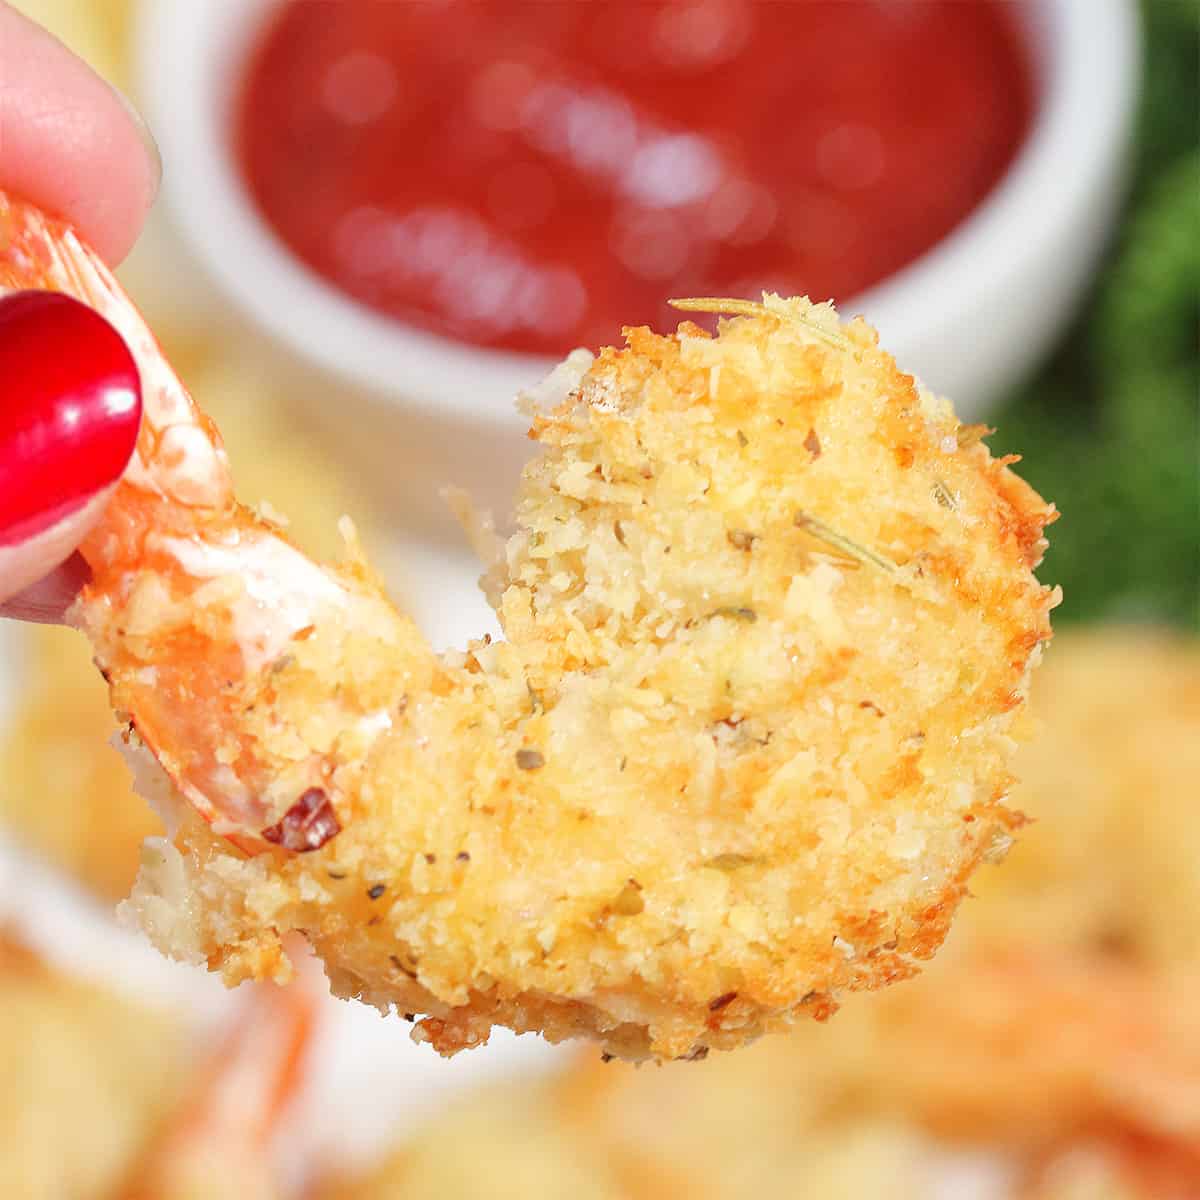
(70, 407)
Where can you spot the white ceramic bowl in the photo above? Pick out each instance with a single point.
(970, 317)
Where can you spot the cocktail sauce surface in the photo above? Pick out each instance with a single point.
(534, 174)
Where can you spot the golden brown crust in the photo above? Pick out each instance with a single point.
(769, 619)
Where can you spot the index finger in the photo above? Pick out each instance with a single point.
(68, 142)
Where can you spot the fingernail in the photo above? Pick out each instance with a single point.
(147, 138)
(70, 408)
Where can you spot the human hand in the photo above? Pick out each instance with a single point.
(70, 144)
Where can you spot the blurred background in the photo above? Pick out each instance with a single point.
(381, 219)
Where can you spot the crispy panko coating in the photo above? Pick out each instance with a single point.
(86, 1076)
(770, 615)
(1112, 855)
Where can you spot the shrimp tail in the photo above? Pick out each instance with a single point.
(193, 597)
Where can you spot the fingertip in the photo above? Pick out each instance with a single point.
(46, 601)
(42, 574)
(71, 143)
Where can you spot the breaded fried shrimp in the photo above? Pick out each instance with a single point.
(770, 614)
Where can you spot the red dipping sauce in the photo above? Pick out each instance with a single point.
(534, 174)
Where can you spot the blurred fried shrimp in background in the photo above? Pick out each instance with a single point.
(106, 1098)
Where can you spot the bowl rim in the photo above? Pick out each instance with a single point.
(1088, 51)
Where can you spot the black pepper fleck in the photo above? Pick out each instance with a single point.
(462, 856)
(376, 890)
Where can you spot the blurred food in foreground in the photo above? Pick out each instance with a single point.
(67, 792)
(107, 1099)
(1054, 1044)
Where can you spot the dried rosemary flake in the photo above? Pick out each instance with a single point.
(752, 308)
(839, 541)
(943, 495)
(732, 862)
(727, 307)
(530, 760)
(737, 614)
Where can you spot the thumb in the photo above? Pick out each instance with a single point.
(70, 408)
